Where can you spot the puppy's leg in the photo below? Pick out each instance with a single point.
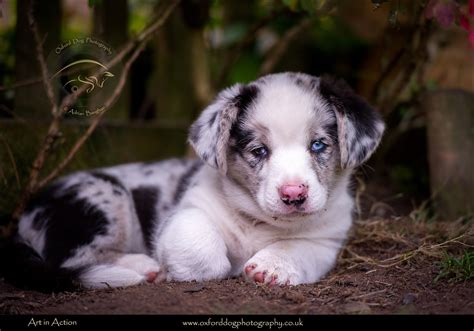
(125, 270)
(111, 254)
(292, 262)
(191, 248)
(106, 263)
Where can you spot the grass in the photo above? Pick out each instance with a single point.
(457, 269)
(387, 243)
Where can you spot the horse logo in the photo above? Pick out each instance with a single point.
(89, 72)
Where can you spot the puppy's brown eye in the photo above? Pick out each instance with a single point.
(260, 152)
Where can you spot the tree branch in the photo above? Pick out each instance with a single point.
(409, 59)
(94, 123)
(53, 128)
(26, 82)
(276, 53)
(111, 100)
(416, 62)
(279, 49)
(236, 52)
(138, 43)
(42, 61)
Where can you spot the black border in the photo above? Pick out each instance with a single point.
(175, 322)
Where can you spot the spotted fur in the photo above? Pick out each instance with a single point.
(225, 214)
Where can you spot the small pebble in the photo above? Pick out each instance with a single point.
(409, 298)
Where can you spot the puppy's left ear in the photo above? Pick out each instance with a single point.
(360, 127)
(209, 134)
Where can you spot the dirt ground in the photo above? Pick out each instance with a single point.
(387, 267)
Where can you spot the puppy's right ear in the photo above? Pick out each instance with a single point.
(209, 134)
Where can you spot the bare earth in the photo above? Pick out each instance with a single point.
(387, 267)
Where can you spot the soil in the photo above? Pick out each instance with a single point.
(387, 267)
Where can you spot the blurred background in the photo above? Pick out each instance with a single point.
(413, 60)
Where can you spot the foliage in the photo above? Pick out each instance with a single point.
(7, 68)
(424, 213)
(92, 3)
(449, 12)
(308, 6)
(457, 269)
(445, 12)
(139, 13)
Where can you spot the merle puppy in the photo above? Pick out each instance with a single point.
(267, 199)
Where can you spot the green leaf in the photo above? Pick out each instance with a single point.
(309, 6)
(292, 4)
(92, 3)
(312, 6)
(456, 268)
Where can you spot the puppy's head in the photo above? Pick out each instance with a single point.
(286, 139)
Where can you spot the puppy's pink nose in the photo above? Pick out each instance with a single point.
(293, 194)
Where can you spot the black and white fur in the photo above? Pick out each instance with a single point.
(225, 214)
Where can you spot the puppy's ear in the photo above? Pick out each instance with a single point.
(360, 127)
(209, 134)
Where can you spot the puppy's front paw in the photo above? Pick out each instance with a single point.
(271, 271)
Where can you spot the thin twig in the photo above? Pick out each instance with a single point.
(110, 101)
(279, 49)
(12, 160)
(367, 294)
(236, 52)
(95, 121)
(405, 52)
(23, 83)
(386, 71)
(53, 128)
(33, 185)
(42, 60)
(411, 58)
(2, 174)
(425, 249)
(15, 116)
(282, 45)
(125, 50)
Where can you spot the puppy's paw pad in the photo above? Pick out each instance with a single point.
(142, 264)
(274, 280)
(259, 277)
(268, 273)
(151, 276)
(155, 276)
(248, 269)
(262, 277)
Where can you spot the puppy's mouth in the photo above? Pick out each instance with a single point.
(294, 208)
(283, 211)
(291, 214)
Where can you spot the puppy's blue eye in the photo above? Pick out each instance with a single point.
(318, 146)
(261, 151)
